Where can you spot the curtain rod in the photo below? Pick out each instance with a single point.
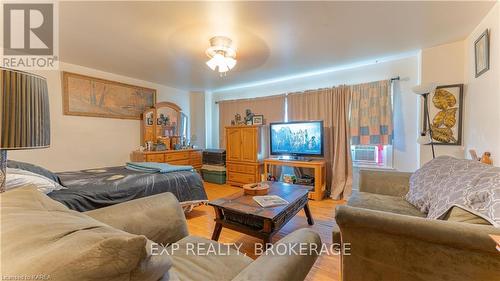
(397, 78)
(249, 99)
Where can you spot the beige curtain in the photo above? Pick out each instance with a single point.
(332, 106)
(272, 107)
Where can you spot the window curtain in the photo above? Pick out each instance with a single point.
(332, 106)
(371, 113)
(272, 107)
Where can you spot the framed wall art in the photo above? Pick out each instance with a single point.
(445, 112)
(258, 119)
(90, 96)
(482, 53)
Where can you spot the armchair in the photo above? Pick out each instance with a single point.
(392, 240)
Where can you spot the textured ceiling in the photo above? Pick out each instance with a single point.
(165, 42)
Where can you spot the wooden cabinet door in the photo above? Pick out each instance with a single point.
(249, 144)
(233, 144)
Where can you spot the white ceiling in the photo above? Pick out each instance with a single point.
(165, 42)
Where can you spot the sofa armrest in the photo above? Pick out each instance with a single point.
(159, 217)
(400, 247)
(384, 182)
(290, 267)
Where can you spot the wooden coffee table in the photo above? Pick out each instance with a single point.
(241, 213)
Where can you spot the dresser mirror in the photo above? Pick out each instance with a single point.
(168, 117)
(165, 125)
(184, 126)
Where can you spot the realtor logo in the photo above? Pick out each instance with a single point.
(29, 36)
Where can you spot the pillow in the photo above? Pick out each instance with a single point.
(458, 214)
(34, 169)
(17, 178)
(41, 236)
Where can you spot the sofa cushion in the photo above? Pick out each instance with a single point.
(189, 264)
(457, 214)
(385, 203)
(41, 236)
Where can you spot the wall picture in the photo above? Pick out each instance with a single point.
(445, 112)
(89, 96)
(258, 119)
(482, 53)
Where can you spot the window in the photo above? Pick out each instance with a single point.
(371, 116)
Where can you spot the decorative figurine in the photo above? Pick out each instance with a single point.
(486, 159)
(248, 117)
(237, 119)
(163, 120)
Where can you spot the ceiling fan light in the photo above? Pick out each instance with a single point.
(230, 62)
(212, 63)
(219, 59)
(221, 54)
(223, 68)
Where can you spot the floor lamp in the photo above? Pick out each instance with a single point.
(424, 138)
(24, 115)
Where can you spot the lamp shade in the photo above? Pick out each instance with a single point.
(24, 102)
(424, 139)
(424, 89)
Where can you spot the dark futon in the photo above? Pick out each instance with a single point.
(96, 188)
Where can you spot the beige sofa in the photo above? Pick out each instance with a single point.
(391, 240)
(42, 238)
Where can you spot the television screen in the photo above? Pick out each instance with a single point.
(303, 138)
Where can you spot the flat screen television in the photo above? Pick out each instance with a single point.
(301, 138)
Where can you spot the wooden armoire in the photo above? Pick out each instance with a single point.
(246, 148)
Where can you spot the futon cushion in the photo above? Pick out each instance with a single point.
(457, 214)
(205, 265)
(34, 169)
(41, 236)
(385, 203)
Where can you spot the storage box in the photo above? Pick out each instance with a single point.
(214, 157)
(218, 177)
(217, 168)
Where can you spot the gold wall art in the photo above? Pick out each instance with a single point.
(445, 111)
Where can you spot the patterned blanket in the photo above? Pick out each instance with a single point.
(153, 167)
(97, 188)
(446, 182)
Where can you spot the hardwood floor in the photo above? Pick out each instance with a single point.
(327, 267)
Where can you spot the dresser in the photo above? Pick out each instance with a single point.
(245, 150)
(192, 157)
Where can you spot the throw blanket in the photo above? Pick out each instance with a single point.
(446, 182)
(153, 167)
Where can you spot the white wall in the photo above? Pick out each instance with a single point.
(482, 111)
(91, 142)
(209, 120)
(405, 102)
(197, 118)
(444, 65)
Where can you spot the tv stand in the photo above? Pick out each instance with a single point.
(319, 166)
